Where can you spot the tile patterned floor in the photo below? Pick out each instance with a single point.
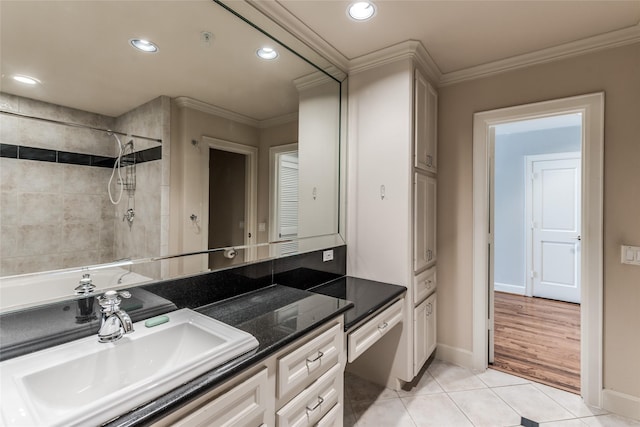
(451, 396)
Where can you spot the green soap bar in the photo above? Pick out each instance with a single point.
(156, 321)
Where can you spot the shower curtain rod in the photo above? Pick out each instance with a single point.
(76, 125)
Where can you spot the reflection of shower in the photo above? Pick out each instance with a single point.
(125, 162)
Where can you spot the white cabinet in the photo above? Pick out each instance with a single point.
(299, 386)
(424, 284)
(426, 124)
(309, 360)
(424, 243)
(392, 191)
(424, 332)
(314, 402)
(242, 406)
(369, 333)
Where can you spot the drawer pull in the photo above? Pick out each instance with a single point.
(383, 326)
(318, 403)
(315, 359)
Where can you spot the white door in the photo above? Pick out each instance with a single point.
(555, 202)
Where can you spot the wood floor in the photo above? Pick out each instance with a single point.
(538, 339)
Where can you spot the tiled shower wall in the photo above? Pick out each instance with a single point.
(57, 215)
(145, 237)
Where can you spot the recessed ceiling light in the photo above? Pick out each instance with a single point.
(362, 10)
(26, 80)
(267, 53)
(144, 45)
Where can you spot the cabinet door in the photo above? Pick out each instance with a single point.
(424, 241)
(426, 125)
(242, 406)
(424, 342)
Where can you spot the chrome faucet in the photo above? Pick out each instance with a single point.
(115, 322)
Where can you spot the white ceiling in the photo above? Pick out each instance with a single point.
(463, 34)
(80, 52)
(78, 49)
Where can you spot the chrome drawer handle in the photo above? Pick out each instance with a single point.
(318, 403)
(383, 326)
(318, 357)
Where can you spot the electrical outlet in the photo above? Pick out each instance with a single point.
(327, 255)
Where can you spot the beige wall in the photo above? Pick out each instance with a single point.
(617, 73)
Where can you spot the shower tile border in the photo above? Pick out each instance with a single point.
(22, 152)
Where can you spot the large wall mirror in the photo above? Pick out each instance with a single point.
(116, 160)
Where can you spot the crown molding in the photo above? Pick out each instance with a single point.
(277, 121)
(292, 24)
(311, 80)
(194, 104)
(410, 49)
(580, 47)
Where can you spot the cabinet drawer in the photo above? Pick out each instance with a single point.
(366, 335)
(308, 407)
(243, 405)
(309, 360)
(332, 418)
(424, 284)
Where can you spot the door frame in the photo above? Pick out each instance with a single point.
(529, 205)
(251, 193)
(592, 108)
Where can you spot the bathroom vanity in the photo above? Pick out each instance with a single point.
(307, 333)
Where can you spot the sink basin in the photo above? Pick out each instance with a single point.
(85, 382)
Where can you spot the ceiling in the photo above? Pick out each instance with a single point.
(80, 52)
(461, 35)
(79, 49)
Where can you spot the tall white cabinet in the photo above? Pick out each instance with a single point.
(391, 203)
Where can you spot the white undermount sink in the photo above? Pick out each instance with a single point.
(85, 382)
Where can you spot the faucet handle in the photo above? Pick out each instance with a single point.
(85, 286)
(112, 298)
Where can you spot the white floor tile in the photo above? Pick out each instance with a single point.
(388, 413)
(435, 410)
(454, 378)
(531, 403)
(610, 420)
(426, 385)
(485, 409)
(493, 378)
(572, 402)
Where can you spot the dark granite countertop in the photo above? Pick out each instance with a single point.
(275, 315)
(368, 296)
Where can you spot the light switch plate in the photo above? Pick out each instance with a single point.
(630, 254)
(327, 255)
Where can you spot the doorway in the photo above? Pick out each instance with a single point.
(536, 263)
(230, 198)
(591, 108)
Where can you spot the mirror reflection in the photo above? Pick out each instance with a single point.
(117, 154)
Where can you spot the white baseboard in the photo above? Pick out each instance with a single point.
(621, 404)
(508, 288)
(457, 356)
